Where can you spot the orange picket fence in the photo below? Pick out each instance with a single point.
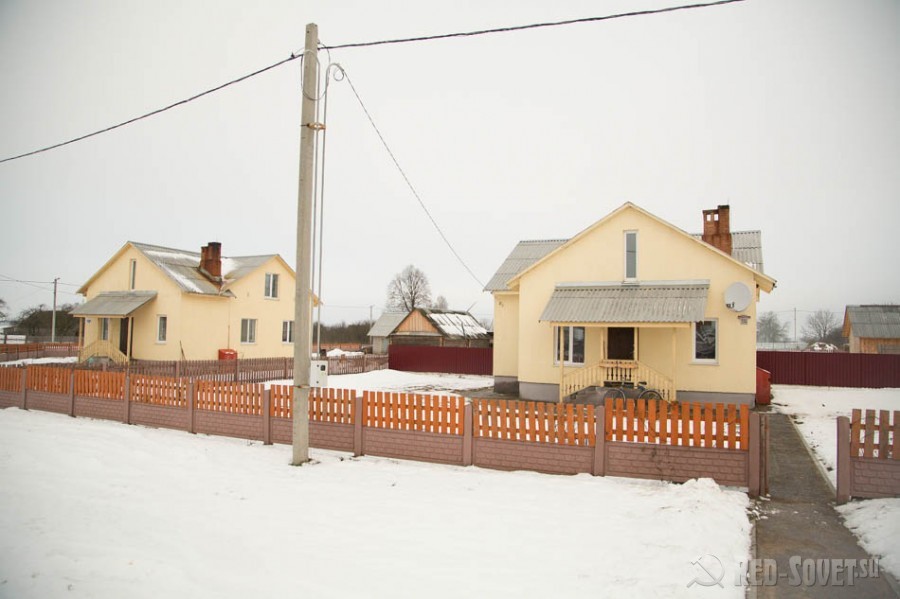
(280, 400)
(162, 391)
(48, 379)
(233, 398)
(875, 437)
(413, 412)
(105, 385)
(537, 422)
(10, 379)
(686, 424)
(325, 405)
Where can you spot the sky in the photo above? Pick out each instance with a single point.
(787, 110)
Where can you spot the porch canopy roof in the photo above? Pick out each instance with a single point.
(639, 302)
(113, 304)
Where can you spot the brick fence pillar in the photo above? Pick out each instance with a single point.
(467, 434)
(267, 417)
(843, 460)
(754, 463)
(25, 388)
(190, 405)
(72, 393)
(126, 400)
(599, 466)
(358, 418)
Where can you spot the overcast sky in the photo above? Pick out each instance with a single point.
(788, 110)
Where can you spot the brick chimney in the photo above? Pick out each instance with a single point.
(717, 228)
(211, 259)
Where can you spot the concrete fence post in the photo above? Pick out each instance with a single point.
(468, 439)
(72, 393)
(754, 462)
(843, 460)
(599, 466)
(237, 370)
(267, 416)
(190, 405)
(126, 400)
(358, 418)
(25, 388)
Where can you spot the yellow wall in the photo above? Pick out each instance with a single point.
(663, 254)
(197, 325)
(506, 334)
(250, 302)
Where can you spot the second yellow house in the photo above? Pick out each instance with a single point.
(156, 303)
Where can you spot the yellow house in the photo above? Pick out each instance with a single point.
(155, 303)
(631, 301)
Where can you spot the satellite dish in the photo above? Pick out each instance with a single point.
(738, 297)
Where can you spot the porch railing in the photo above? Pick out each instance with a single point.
(617, 373)
(102, 348)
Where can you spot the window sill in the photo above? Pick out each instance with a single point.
(705, 362)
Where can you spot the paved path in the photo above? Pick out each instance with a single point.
(801, 520)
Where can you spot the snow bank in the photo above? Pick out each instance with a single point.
(100, 509)
(396, 380)
(27, 361)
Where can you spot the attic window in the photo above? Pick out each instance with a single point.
(271, 290)
(630, 255)
(132, 274)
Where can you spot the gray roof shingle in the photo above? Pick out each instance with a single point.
(875, 322)
(650, 301)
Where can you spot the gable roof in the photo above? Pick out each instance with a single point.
(386, 324)
(765, 282)
(452, 323)
(873, 321)
(182, 267)
(523, 255)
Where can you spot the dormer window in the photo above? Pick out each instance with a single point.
(630, 255)
(271, 290)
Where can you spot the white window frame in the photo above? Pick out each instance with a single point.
(132, 274)
(713, 360)
(248, 331)
(270, 290)
(104, 329)
(287, 331)
(162, 328)
(570, 349)
(625, 236)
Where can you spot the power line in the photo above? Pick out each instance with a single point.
(295, 56)
(157, 111)
(442, 36)
(408, 182)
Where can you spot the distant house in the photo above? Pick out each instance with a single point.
(873, 329)
(423, 326)
(156, 303)
(631, 299)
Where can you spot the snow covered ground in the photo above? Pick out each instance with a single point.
(876, 522)
(40, 361)
(417, 382)
(99, 509)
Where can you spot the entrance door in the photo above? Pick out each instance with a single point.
(123, 336)
(620, 343)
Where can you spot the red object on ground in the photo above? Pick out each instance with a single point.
(227, 354)
(763, 387)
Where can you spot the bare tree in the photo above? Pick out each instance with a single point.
(771, 330)
(409, 290)
(822, 325)
(2, 308)
(440, 303)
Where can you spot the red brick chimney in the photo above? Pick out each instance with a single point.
(211, 259)
(717, 228)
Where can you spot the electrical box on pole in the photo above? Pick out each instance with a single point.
(303, 294)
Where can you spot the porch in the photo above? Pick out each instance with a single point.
(622, 334)
(112, 335)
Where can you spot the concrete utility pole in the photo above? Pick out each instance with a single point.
(53, 321)
(302, 296)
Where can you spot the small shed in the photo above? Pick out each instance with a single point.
(423, 326)
(873, 329)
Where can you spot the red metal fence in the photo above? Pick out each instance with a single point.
(454, 360)
(831, 369)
